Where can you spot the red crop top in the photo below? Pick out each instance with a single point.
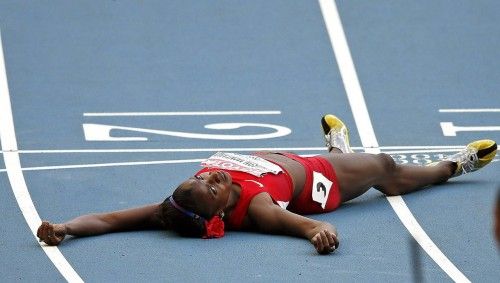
(279, 187)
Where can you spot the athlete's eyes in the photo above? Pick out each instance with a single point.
(214, 190)
(211, 188)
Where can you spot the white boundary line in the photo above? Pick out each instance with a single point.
(234, 149)
(16, 178)
(112, 164)
(470, 110)
(367, 134)
(130, 163)
(185, 113)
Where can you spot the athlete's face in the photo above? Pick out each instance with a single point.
(211, 191)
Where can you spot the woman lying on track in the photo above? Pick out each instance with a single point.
(270, 191)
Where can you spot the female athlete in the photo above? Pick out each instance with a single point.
(270, 192)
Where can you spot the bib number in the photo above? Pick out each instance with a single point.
(251, 164)
(321, 189)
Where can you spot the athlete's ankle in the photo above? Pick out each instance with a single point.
(451, 167)
(334, 150)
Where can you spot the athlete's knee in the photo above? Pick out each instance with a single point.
(387, 163)
(388, 190)
(387, 179)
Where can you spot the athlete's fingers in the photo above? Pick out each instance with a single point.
(323, 247)
(334, 239)
(39, 231)
(318, 244)
(334, 242)
(59, 233)
(337, 241)
(50, 230)
(331, 239)
(47, 234)
(324, 240)
(52, 238)
(43, 231)
(314, 241)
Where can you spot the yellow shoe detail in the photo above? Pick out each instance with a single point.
(474, 156)
(336, 133)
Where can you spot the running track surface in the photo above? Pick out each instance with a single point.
(157, 62)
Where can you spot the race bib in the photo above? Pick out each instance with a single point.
(321, 188)
(250, 164)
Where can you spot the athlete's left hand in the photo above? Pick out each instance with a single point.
(325, 241)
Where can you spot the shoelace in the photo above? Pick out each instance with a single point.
(467, 159)
(337, 139)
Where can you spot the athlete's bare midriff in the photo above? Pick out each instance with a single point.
(294, 169)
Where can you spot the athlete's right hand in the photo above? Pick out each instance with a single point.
(51, 234)
(325, 241)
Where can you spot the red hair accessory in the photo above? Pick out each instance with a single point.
(214, 228)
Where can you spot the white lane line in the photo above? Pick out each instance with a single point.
(409, 149)
(367, 134)
(16, 178)
(470, 110)
(422, 151)
(112, 164)
(185, 113)
(131, 163)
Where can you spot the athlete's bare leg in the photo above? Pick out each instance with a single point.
(358, 172)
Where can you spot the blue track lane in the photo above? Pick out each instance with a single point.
(64, 59)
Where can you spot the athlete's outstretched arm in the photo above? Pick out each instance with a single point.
(140, 218)
(268, 217)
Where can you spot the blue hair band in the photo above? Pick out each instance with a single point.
(183, 210)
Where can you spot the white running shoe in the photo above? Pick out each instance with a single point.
(474, 156)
